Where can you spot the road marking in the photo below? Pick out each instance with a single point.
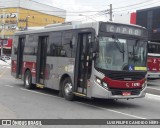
(40, 93)
(154, 88)
(8, 86)
(111, 110)
(152, 96)
(88, 104)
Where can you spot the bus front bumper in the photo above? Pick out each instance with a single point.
(153, 75)
(100, 92)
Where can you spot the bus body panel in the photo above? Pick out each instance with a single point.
(99, 92)
(55, 69)
(153, 60)
(51, 75)
(29, 63)
(153, 67)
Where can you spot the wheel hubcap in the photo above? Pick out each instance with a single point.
(68, 89)
(27, 80)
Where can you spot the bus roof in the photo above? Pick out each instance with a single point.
(69, 26)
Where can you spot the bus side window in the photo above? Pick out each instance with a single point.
(52, 50)
(15, 45)
(66, 42)
(31, 45)
(55, 44)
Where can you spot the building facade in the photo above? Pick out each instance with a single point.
(21, 14)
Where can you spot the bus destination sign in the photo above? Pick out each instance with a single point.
(123, 29)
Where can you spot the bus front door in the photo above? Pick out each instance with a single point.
(83, 62)
(21, 42)
(41, 59)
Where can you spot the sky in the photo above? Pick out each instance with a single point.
(90, 10)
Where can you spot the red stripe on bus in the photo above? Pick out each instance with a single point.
(123, 84)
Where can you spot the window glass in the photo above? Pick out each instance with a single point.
(67, 42)
(55, 44)
(31, 45)
(15, 45)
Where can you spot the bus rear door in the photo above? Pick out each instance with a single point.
(41, 59)
(21, 43)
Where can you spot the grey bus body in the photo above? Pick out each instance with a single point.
(67, 52)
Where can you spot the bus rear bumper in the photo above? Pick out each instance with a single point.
(153, 75)
(100, 92)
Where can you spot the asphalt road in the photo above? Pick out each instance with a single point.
(16, 102)
(154, 86)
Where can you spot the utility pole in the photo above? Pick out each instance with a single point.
(110, 12)
(27, 18)
(18, 8)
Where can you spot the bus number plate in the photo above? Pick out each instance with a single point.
(126, 93)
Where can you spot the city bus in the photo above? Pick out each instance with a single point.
(92, 60)
(153, 61)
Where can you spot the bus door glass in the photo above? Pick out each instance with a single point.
(83, 61)
(41, 59)
(21, 43)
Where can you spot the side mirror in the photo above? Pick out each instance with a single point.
(95, 46)
(63, 53)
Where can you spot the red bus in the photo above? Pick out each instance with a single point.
(153, 60)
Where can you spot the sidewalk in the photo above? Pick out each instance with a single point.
(3, 63)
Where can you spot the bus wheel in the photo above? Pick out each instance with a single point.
(67, 89)
(28, 80)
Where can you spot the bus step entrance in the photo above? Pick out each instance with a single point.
(39, 85)
(81, 91)
(19, 77)
(80, 94)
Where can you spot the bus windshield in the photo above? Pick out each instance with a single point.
(121, 54)
(154, 48)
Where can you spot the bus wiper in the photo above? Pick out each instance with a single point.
(117, 42)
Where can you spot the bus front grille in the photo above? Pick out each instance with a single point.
(119, 92)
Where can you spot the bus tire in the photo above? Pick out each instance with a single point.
(67, 89)
(28, 80)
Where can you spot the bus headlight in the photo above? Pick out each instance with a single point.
(98, 81)
(105, 85)
(101, 83)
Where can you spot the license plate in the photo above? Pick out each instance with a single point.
(126, 93)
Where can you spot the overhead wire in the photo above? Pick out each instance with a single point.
(132, 5)
(135, 7)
